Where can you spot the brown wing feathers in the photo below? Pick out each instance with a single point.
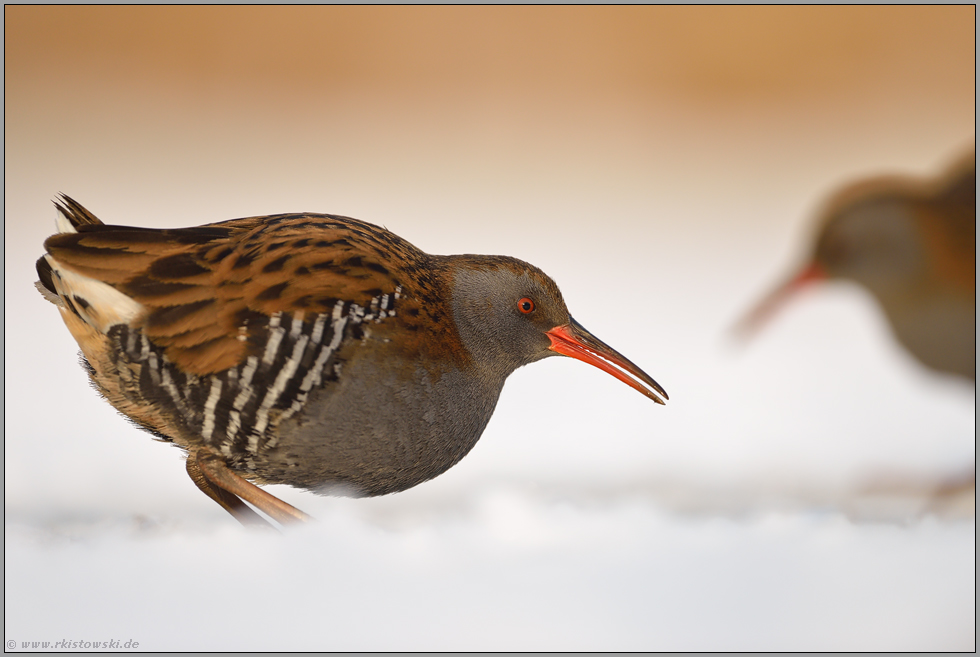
(209, 291)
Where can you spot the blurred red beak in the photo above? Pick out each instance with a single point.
(573, 340)
(763, 312)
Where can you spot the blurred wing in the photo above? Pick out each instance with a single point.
(959, 188)
(950, 225)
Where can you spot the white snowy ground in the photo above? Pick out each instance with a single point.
(782, 499)
(499, 568)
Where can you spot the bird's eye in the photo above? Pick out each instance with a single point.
(526, 306)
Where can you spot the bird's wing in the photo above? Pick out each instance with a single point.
(959, 185)
(951, 225)
(205, 295)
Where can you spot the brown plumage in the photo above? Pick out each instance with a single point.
(912, 244)
(200, 285)
(308, 349)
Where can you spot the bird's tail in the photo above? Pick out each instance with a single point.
(70, 216)
(93, 301)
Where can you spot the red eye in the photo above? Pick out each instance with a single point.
(525, 305)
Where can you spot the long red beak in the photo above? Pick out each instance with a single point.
(573, 340)
(752, 322)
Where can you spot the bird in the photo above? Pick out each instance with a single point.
(911, 243)
(312, 350)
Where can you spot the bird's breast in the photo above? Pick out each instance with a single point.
(388, 420)
(938, 328)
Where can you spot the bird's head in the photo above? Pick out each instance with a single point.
(510, 313)
(872, 240)
(867, 234)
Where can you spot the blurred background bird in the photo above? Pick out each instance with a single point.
(911, 243)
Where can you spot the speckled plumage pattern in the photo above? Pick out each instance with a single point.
(307, 349)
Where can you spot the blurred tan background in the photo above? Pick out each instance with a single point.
(663, 164)
(263, 97)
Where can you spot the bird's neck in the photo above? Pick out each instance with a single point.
(475, 293)
(487, 350)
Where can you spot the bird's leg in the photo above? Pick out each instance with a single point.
(230, 503)
(219, 476)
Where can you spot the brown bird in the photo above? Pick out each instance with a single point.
(305, 349)
(912, 244)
